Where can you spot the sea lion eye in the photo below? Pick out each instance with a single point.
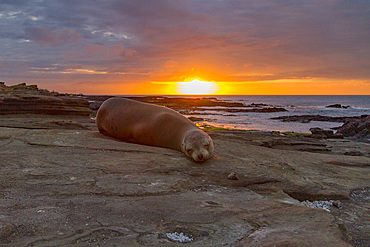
(189, 150)
(206, 145)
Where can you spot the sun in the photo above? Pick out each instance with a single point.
(196, 87)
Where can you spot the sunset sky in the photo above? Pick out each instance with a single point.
(167, 47)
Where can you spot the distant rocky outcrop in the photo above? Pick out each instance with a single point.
(257, 109)
(309, 118)
(24, 99)
(195, 119)
(337, 106)
(189, 105)
(177, 103)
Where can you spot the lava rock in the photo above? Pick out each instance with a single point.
(337, 106)
(356, 128)
(321, 133)
(354, 153)
(195, 119)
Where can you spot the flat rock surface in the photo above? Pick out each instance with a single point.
(62, 183)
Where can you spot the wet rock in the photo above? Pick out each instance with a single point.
(309, 118)
(257, 105)
(337, 106)
(321, 133)
(195, 119)
(185, 103)
(95, 105)
(265, 110)
(349, 129)
(187, 106)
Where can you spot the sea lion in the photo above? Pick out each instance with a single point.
(153, 125)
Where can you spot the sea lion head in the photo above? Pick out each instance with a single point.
(197, 145)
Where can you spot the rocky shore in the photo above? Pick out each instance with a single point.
(309, 118)
(62, 183)
(189, 105)
(357, 128)
(22, 99)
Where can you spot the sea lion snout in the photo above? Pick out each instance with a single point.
(200, 156)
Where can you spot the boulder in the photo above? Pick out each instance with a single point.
(95, 105)
(356, 128)
(321, 133)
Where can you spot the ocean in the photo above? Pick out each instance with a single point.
(294, 104)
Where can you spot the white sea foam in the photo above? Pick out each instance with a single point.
(326, 205)
(179, 237)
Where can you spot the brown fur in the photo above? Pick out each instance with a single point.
(153, 125)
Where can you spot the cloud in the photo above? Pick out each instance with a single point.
(100, 52)
(93, 50)
(45, 36)
(165, 39)
(170, 64)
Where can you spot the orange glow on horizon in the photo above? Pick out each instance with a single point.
(208, 79)
(313, 86)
